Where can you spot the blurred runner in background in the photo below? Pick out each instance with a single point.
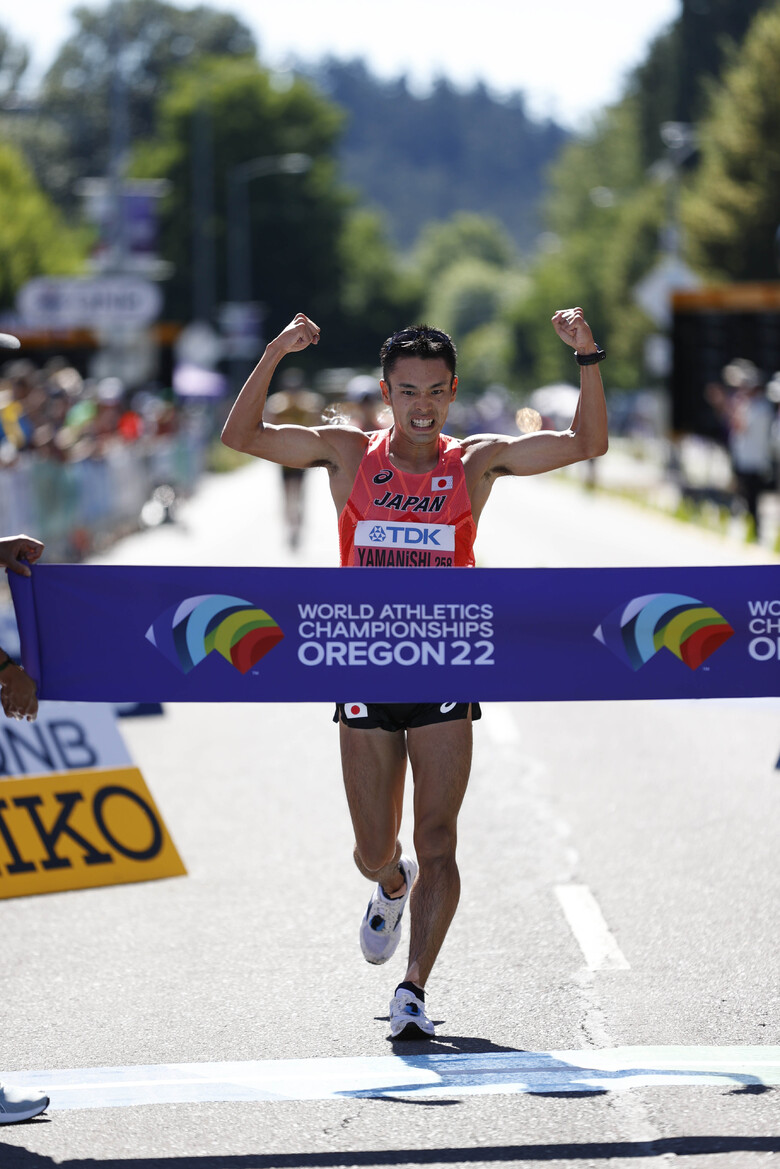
(294, 405)
(364, 406)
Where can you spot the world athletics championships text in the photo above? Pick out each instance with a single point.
(399, 633)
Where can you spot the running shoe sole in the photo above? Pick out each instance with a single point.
(410, 1032)
(17, 1115)
(377, 907)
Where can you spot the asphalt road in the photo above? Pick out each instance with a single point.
(665, 814)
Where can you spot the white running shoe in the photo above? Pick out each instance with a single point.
(408, 1019)
(380, 929)
(16, 1105)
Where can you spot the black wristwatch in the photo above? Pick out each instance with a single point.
(590, 358)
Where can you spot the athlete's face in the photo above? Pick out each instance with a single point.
(419, 391)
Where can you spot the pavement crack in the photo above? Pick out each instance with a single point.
(628, 1105)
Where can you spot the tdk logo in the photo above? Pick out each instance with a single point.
(412, 535)
(435, 536)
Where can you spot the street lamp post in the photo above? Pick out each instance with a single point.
(238, 220)
(239, 240)
(681, 142)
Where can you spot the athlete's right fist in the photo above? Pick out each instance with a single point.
(299, 334)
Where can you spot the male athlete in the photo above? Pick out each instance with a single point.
(414, 473)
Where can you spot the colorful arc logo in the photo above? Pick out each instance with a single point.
(189, 631)
(634, 632)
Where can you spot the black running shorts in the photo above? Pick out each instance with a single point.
(399, 716)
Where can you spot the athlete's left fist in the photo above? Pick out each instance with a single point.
(571, 327)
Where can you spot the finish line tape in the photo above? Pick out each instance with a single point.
(157, 634)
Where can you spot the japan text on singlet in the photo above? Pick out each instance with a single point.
(396, 520)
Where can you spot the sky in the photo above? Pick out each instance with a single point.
(569, 57)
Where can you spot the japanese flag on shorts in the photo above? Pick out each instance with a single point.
(355, 709)
(441, 483)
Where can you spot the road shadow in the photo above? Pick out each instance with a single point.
(447, 1044)
(533, 1073)
(460, 1045)
(12, 1157)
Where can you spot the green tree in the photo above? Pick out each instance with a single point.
(732, 212)
(421, 159)
(486, 357)
(594, 175)
(671, 83)
(378, 294)
(41, 140)
(604, 214)
(466, 236)
(14, 60)
(559, 279)
(469, 294)
(105, 84)
(606, 206)
(468, 269)
(296, 220)
(34, 239)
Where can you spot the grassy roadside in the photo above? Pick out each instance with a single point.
(643, 483)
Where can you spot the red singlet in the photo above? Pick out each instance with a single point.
(393, 519)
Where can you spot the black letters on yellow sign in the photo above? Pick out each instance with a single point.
(81, 829)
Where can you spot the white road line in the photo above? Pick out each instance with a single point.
(590, 1070)
(586, 922)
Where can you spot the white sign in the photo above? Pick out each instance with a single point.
(658, 354)
(66, 736)
(199, 344)
(105, 302)
(654, 291)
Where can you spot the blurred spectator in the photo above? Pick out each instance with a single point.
(80, 457)
(745, 409)
(55, 405)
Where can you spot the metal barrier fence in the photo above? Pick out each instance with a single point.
(75, 507)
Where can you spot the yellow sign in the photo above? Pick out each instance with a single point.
(78, 829)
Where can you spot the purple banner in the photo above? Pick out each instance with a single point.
(152, 634)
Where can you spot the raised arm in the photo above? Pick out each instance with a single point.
(294, 446)
(546, 450)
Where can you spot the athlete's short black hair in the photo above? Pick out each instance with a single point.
(418, 341)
